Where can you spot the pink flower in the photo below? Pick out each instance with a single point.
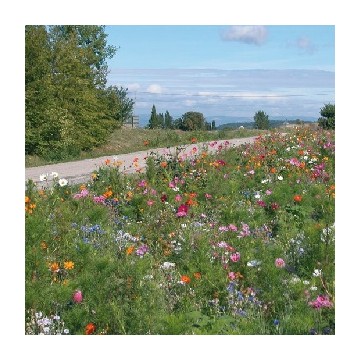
(150, 202)
(268, 192)
(321, 302)
(232, 227)
(178, 198)
(77, 297)
(83, 193)
(208, 196)
(235, 257)
(231, 275)
(182, 210)
(99, 199)
(279, 263)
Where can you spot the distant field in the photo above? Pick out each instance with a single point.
(125, 140)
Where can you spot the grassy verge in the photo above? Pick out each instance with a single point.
(125, 140)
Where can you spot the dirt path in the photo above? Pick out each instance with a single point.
(77, 172)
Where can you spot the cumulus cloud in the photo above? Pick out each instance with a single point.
(133, 87)
(248, 34)
(155, 89)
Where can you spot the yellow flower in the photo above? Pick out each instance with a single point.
(68, 265)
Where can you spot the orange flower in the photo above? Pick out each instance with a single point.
(146, 142)
(297, 198)
(90, 328)
(108, 193)
(130, 250)
(193, 140)
(197, 276)
(68, 265)
(163, 164)
(273, 170)
(43, 245)
(27, 199)
(185, 279)
(107, 161)
(54, 267)
(82, 187)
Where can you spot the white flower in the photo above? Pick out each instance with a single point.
(294, 280)
(265, 181)
(253, 263)
(317, 272)
(175, 188)
(306, 282)
(280, 178)
(167, 265)
(313, 288)
(63, 182)
(305, 157)
(54, 174)
(43, 177)
(66, 331)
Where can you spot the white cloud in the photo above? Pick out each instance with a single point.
(155, 89)
(133, 86)
(248, 34)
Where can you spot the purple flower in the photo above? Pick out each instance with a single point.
(142, 250)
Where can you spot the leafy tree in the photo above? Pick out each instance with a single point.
(327, 119)
(68, 107)
(193, 120)
(119, 106)
(168, 121)
(38, 87)
(154, 121)
(261, 120)
(161, 120)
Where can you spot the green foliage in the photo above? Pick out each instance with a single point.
(327, 119)
(191, 121)
(68, 108)
(261, 120)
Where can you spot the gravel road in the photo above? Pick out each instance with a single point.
(77, 172)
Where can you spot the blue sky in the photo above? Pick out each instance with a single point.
(232, 70)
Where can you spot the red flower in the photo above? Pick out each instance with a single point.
(297, 198)
(185, 279)
(90, 328)
(163, 198)
(182, 210)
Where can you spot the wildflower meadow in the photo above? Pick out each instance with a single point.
(236, 242)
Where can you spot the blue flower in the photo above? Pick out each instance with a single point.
(276, 322)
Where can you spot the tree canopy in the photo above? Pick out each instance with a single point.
(327, 119)
(261, 120)
(68, 107)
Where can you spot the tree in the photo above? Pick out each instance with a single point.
(327, 119)
(193, 120)
(168, 121)
(38, 89)
(119, 106)
(161, 120)
(213, 126)
(261, 120)
(66, 107)
(155, 120)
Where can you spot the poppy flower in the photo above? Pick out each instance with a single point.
(90, 328)
(185, 279)
(297, 198)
